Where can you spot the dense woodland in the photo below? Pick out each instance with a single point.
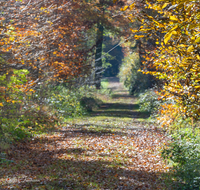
(56, 58)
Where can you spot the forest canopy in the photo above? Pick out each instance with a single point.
(102, 88)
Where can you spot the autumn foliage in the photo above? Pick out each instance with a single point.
(174, 26)
(42, 44)
(46, 38)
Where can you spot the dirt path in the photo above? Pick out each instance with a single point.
(113, 148)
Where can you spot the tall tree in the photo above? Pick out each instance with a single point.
(106, 19)
(99, 44)
(175, 28)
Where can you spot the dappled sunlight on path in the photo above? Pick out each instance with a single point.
(113, 148)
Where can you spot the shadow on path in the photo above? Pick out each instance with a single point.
(70, 173)
(122, 96)
(122, 114)
(72, 159)
(120, 109)
(120, 106)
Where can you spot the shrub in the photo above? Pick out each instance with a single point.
(134, 80)
(183, 152)
(66, 102)
(148, 101)
(13, 98)
(89, 103)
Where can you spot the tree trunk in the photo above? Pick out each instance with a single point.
(98, 54)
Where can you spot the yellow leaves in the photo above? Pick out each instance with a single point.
(173, 18)
(42, 8)
(130, 19)
(158, 24)
(168, 36)
(138, 36)
(190, 48)
(197, 40)
(125, 7)
(134, 31)
(197, 87)
(190, 7)
(170, 33)
(174, 28)
(150, 17)
(182, 45)
(1, 104)
(198, 15)
(192, 26)
(11, 38)
(50, 22)
(132, 6)
(31, 90)
(176, 56)
(165, 4)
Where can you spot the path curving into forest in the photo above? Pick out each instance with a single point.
(112, 148)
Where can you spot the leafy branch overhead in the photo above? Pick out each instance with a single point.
(174, 27)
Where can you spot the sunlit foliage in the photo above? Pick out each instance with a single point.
(174, 25)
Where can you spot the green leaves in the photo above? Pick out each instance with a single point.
(184, 153)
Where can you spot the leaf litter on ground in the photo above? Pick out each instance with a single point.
(97, 152)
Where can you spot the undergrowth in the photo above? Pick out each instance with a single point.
(182, 152)
(42, 110)
(183, 155)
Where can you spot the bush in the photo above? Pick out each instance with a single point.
(13, 99)
(67, 103)
(28, 111)
(148, 101)
(184, 154)
(89, 103)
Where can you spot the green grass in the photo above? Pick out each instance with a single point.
(104, 83)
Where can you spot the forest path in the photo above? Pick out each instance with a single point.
(112, 148)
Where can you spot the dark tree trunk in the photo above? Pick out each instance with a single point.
(98, 54)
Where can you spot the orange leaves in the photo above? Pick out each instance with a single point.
(45, 35)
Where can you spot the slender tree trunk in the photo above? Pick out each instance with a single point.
(98, 54)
